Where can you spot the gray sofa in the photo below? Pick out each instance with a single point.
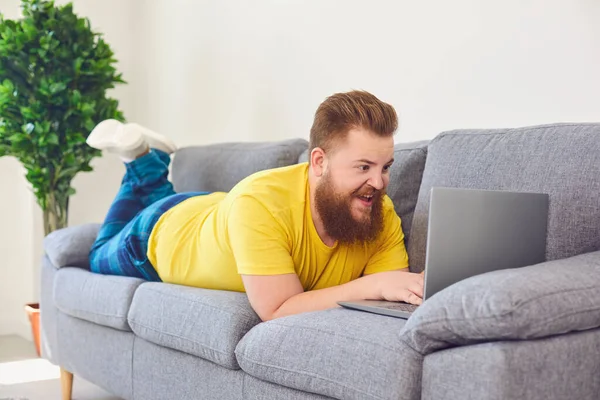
(528, 333)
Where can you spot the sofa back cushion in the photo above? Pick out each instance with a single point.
(405, 180)
(219, 167)
(559, 159)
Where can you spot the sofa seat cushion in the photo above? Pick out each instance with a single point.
(339, 353)
(202, 322)
(101, 299)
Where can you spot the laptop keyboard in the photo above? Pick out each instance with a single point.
(400, 307)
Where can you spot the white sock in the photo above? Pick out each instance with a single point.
(110, 135)
(153, 139)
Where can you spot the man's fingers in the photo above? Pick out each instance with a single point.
(412, 298)
(420, 280)
(417, 289)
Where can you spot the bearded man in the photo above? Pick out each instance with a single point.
(295, 239)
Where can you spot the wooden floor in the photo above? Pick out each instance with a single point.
(25, 376)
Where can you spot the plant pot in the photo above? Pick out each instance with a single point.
(33, 311)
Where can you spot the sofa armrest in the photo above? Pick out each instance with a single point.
(70, 247)
(537, 301)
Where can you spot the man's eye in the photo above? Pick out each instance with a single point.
(387, 168)
(364, 167)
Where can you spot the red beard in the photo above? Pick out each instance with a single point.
(335, 211)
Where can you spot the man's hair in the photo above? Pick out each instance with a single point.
(342, 112)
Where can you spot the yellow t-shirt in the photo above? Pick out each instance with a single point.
(263, 226)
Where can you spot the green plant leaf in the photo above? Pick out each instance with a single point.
(53, 139)
(17, 137)
(78, 61)
(28, 113)
(57, 87)
(8, 86)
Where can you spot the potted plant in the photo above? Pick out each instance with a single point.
(54, 76)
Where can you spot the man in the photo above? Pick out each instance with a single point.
(295, 239)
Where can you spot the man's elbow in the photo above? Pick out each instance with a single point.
(267, 315)
(267, 318)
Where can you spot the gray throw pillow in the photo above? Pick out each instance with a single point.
(546, 299)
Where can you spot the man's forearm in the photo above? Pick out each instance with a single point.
(364, 288)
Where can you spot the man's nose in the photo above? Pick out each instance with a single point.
(376, 181)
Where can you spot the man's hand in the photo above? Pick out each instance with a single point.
(399, 286)
(280, 295)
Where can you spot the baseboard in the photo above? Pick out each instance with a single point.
(15, 327)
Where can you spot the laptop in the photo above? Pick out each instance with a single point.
(471, 232)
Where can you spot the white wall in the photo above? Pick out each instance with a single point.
(16, 274)
(257, 70)
(210, 71)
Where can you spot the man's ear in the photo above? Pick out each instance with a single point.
(318, 161)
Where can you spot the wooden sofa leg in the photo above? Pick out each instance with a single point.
(66, 381)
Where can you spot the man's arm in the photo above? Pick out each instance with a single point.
(281, 295)
(263, 255)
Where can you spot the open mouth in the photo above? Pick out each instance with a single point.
(366, 200)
